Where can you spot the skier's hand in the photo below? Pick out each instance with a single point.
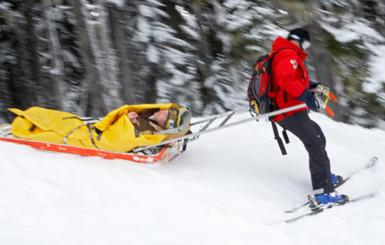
(308, 97)
(320, 101)
(320, 89)
(313, 84)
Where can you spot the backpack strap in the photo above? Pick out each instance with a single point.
(273, 124)
(285, 136)
(278, 138)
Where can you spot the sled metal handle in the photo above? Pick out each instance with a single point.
(197, 134)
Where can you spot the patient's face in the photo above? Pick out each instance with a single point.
(161, 117)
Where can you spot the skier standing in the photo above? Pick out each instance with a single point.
(292, 87)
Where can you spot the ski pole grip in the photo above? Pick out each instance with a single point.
(329, 111)
(331, 95)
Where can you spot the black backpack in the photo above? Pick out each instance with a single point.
(260, 95)
(259, 91)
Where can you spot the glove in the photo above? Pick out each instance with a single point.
(313, 84)
(320, 89)
(311, 102)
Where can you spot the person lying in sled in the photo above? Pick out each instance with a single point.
(149, 121)
(152, 121)
(115, 132)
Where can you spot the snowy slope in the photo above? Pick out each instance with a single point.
(228, 188)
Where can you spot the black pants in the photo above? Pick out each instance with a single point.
(311, 135)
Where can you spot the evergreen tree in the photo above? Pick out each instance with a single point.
(91, 56)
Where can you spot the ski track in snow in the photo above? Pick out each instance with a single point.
(229, 187)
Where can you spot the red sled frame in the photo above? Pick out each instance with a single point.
(134, 157)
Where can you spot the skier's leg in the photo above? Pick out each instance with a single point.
(314, 141)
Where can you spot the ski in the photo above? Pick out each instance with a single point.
(320, 210)
(372, 161)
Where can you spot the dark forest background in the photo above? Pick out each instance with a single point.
(89, 57)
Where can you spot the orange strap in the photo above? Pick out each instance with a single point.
(329, 111)
(332, 97)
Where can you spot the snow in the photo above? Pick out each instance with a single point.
(373, 41)
(377, 69)
(119, 3)
(230, 187)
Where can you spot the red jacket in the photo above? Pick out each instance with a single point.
(290, 76)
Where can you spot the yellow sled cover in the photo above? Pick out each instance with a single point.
(115, 132)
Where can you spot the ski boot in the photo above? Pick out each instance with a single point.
(328, 200)
(337, 180)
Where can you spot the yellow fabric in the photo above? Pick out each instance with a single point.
(118, 133)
